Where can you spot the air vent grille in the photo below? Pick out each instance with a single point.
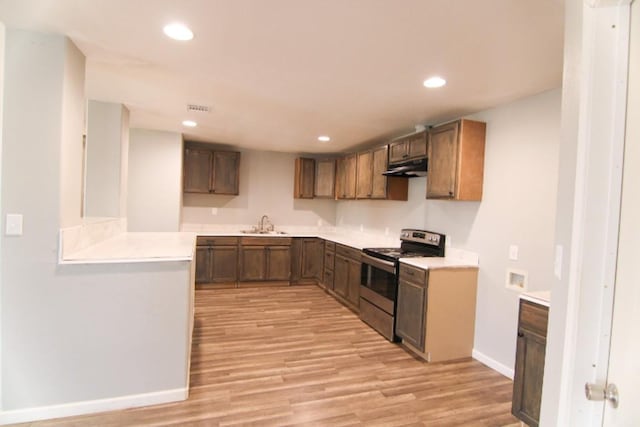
(198, 108)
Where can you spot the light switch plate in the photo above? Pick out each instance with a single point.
(513, 252)
(557, 262)
(13, 225)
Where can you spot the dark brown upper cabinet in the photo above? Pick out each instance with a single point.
(304, 180)
(410, 147)
(210, 171)
(456, 160)
(325, 179)
(346, 177)
(371, 183)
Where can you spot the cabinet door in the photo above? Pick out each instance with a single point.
(379, 181)
(417, 145)
(527, 381)
(443, 161)
(398, 151)
(410, 313)
(304, 178)
(312, 258)
(350, 176)
(296, 259)
(325, 179)
(224, 264)
(252, 263)
(364, 175)
(203, 264)
(197, 171)
(226, 170)
(278, 262)
(341, 276)
(355, 274)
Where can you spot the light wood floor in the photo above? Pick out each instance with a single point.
(294, 356)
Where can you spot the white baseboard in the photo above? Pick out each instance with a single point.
(492, 363)
(92, 406)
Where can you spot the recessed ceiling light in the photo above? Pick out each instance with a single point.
(178, 31)
(324, 138)
(189, 123)
(434, 81)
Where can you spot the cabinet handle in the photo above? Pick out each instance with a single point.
(404, 156)
(410, 273)
(520, 334)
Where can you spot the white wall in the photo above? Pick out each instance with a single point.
(107, 125)
(518, 207)
(73, 123)
(154, 181)
(266, 187)
(2, 42)
(71, 333)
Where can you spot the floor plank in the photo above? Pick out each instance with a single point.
(293, 356)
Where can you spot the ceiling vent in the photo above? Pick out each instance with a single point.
(198, 108)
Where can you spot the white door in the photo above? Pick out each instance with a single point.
(624, 358)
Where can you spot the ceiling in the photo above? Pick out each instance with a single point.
(279, 73)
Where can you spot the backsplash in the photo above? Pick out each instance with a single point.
(92, 231)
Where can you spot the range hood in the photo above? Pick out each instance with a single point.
(408, 169)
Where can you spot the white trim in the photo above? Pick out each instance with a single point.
(93, 406)
(603, 45)
(493, 364)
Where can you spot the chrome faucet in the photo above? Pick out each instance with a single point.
(262, 226)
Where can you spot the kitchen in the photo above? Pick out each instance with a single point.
(518, 207)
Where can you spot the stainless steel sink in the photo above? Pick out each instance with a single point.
(263, 232)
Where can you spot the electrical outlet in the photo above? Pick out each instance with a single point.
(214, 211)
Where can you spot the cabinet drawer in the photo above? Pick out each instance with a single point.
(329, 246)
(533, 317)
(348, 252)
(265, 241)
(413, 274)
(216, 241)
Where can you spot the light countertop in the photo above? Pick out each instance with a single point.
(437, 263)
(136, 247)
(538, 297)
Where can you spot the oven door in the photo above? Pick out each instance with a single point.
(379, 285)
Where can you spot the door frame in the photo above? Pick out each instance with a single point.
(589, 190)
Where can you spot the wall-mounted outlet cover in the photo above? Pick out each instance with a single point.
(214, 211)
(516, 279)
(14, 225)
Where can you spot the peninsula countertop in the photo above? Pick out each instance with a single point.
(129, 247)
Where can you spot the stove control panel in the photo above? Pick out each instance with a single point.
(421, 236)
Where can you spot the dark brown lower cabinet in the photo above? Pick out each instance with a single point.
(278, 263)
(529, 367)
(410, 321)
(253, 263)
(346, 277)
(217, 260)
(306, 260)
(265, 259)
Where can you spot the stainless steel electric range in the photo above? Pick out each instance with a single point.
(379, 279)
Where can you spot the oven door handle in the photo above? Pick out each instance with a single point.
(387, 266)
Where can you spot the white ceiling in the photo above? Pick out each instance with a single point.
(279, 73)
